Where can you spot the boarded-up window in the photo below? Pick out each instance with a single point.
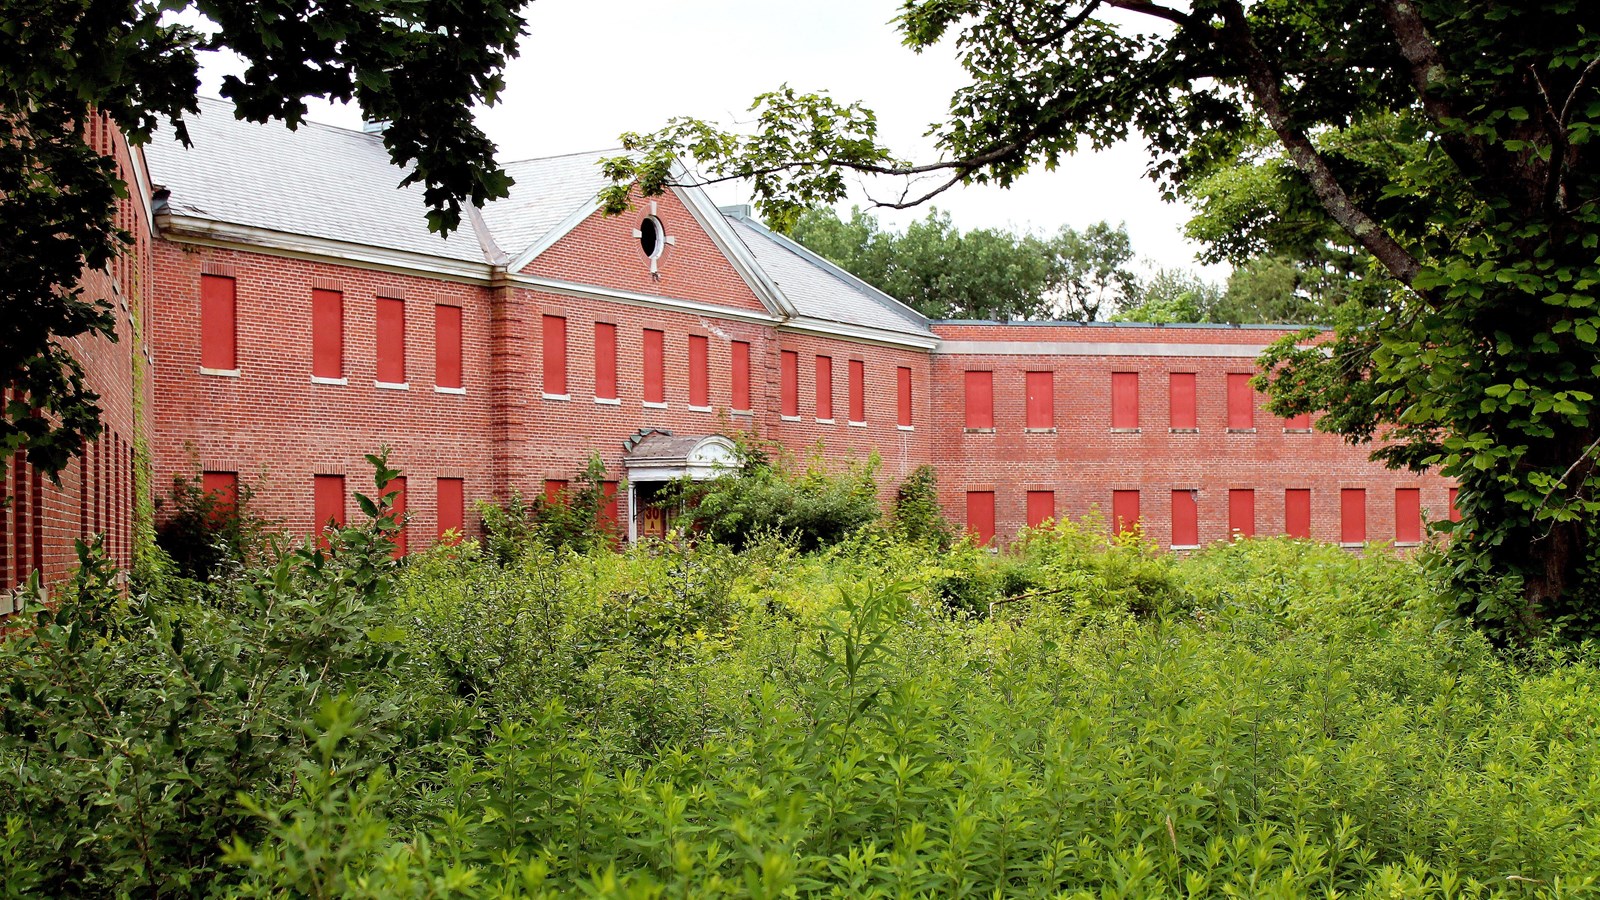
(1185, 519)
(699, 371)
(1455, 514)
(1041, 387)
(1124, 399)
(980, 515)
(1041, 507)
(327, 334)
(655, 356)
(741, 375)
(1242, 513)
(1353, 515)
(397, 491)
(605, 361)
(824, 387)
(1124, 511)
(555, 490)
(903, 393)
(1297, 512)
(452, 508)
(554, 342)
(1407, 515)
(328, 502)
(789, 383)
(391, 333)
(218, 326)
(1180, 401)
(447, 346)
(223, 487)
(980, 399)
(610, 517)
(1241, 402)
(1301, 422)
(858, 391)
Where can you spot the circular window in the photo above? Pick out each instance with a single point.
(650, 237)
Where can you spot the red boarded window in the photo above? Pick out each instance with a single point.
(980, 515)
(555, 490)
(1301, 422)
(327, 334)
(789, 383)
(328, 500)
(397, 491)
(1041, 507)
(1124, 399)
(1124, 511)
(1185, 519)
(980, 399)
(1041, 400)
(1242, 512)
(1297, 512)
(610, 517)
(858, 391)
(447, 346)
(1241, 402)
(1180, 401)
(223, 488)
(605, 361)
(1407, 516)
(391, 331)
(1455, 514)
(452, 507)
(824, 387)
(903, 381)
(655, 356)
(741, 375)
(1353, 516)
(699, 371)
(218, 335)
(555, 355)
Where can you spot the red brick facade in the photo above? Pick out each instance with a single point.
(535, 398)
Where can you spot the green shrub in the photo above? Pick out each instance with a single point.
(207, 535)
(918, 517)
(574, 520)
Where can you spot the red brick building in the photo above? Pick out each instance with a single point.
(301, 315)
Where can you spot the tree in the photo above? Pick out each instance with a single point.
(420, 65)
(984, 273)
(1170, 296)
(1481, 363)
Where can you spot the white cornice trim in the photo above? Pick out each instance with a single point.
(208, 233)
(562, 229)
(715, 225)
(632, 298)
(1096, 348)
(141, 176)
(860, 334)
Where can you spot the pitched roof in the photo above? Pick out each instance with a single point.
(817, 288)
(547, 192)
(317, 181)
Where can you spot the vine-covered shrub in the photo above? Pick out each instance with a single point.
(918, 517)
(206, 533)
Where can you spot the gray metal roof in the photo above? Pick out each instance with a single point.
(318, 181)
(819, 289)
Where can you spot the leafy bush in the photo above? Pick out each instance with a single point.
(813, 508)
(207, 534)
(573, 520)
(918, 517)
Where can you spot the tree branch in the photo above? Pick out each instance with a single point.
(1145, 7)
(1263, 82)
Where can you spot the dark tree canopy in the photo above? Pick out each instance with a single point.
(421, 65)
(1450, 141)
(984, 273)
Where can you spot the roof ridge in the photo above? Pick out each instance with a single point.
(281, 123)
(528, 159)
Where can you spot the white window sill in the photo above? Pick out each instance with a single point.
(855, 424)
(318, 379)
(1297, 431)
(740, 412)
(906, 427)
(648, 404)
(608, 401)
(1038, 431)
(790, 418)
(1408, 543)
(699, 409)
(561, 397)
(825, 422)
(977, 431)
(1125, 430)
(459, 392)
(391, 385)
(220, 373)
(1183, 431)
(1351, 545)
(1241, 431)
(1185, 547)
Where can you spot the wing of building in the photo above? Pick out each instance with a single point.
(295, 313)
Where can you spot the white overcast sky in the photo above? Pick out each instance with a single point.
(592, 69)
